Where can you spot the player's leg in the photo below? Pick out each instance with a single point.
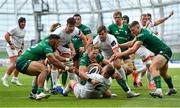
(69, 87)
(122, 80)
(10, 69)
(168, 79)
(14, 79)
(38, 69)
(157, 63)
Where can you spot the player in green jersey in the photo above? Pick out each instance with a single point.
(77, 42)
(159, 64)
(123, 34)
(31, 62)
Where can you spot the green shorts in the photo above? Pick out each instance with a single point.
(22, 64)
(167, 53)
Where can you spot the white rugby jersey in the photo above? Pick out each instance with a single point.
(96, 91)
(143, 52)
(64, 37)
(151, 27)
(107, 46)
(17, 36)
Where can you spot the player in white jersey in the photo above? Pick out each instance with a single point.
(109, 46)
(89, 90)
(66, 47)
(151, 24)
(15, 40)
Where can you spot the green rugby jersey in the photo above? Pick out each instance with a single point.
(38, 51)
(76, 40)
(151, 41)
(85, 60)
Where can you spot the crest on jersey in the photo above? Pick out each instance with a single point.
(94, 69)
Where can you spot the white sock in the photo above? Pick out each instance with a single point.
(54, 74)
(139, 78)
(149, 77)
(142, 69)
(15, 78)
(6, 76)
(159, 90)
(123, 73)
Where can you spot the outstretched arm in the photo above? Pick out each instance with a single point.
(161, 20)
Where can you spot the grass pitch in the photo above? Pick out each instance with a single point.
(18, 96)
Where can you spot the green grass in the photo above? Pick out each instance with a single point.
(18, 96)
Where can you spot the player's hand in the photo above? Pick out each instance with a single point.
(171, 13)
(12, 46)
(20, 51)
(94, 82)
(117, 55)
(81, 49)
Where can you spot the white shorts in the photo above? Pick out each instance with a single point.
(12, 52)
(80, 91)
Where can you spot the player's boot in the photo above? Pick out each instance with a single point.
(42, 95)
(156, 94)
(53, 91)
(171, 91)
(135, 84)
(32, 96)
(16, 82)
(114, 95)
(59, 89)
(5, 82)
(132, 94)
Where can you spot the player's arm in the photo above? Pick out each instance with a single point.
(89, 39)
(61, 58)
(161, 20)
(71, 46)
(131, 50)
(84, 40)
(52, 59)
(83, 75)
(82, 72)
(8, 40)
(127, 44)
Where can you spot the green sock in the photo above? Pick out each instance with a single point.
(123, 84)
(169, 82)
(48, 76)
(64, 78)
(39, 90)
(157, 81)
